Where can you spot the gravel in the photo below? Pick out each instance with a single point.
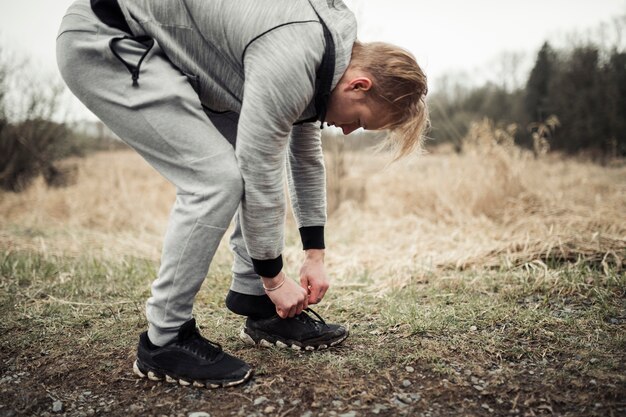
(57, 406)
(260, 400)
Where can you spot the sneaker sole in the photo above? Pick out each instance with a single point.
(265, 340)
(158, 376)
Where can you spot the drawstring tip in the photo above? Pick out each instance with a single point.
(134, 70)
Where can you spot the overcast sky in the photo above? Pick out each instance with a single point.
(446, 36)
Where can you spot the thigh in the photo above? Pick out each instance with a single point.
(162, 118)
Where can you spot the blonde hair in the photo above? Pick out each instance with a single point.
(399, 84)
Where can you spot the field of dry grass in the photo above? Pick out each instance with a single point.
(491, 206)
(488, 282)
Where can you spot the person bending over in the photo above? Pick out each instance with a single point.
(219, 96)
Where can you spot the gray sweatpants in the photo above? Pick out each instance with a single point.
(163, 120)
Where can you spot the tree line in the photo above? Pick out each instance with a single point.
(583, 87)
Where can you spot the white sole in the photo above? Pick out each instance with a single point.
(247, 339)
(152, 376)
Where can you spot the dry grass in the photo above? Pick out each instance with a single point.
(119, 206)
(493, 205)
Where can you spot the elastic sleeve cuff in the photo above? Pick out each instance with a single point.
(268, 268)
(312, 237)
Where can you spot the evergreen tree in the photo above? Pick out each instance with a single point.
(576, 94)
(616, 104)
(536, 99)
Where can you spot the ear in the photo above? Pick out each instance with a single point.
(360, 84)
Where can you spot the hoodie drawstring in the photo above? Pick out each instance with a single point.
(133, 69)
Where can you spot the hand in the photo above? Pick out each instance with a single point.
(290, 299)
(313, 275)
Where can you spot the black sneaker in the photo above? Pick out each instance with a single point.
(190, 359)
(301, 332)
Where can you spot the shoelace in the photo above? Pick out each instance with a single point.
(200, 346)
(305, 318)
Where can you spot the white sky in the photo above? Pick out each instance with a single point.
(446, 36)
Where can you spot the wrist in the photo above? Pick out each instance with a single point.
(314, 255)
(269, 284)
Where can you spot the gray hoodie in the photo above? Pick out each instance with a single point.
(258, 58)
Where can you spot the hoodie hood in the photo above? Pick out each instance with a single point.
(342, 25)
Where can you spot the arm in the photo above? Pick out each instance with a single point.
(307, 188)
(280, 73)
(307, 183)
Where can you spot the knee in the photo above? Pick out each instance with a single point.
(230, 175)
(220, 176)
(215, 191)
(231, 180)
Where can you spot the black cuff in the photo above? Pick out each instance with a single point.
(312, 237)
(268, 268)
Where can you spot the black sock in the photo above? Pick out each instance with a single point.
(151, 345)
(254, 306)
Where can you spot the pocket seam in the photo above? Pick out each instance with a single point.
(193, 79)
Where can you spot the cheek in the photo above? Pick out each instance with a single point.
(331, 110)
(335, 103)
(345, 112)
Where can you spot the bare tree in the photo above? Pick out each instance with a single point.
(510, 70)
(29, 137)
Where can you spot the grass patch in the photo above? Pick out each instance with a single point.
(516, 341)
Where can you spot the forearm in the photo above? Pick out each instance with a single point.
(307, 176)
(263, 205)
